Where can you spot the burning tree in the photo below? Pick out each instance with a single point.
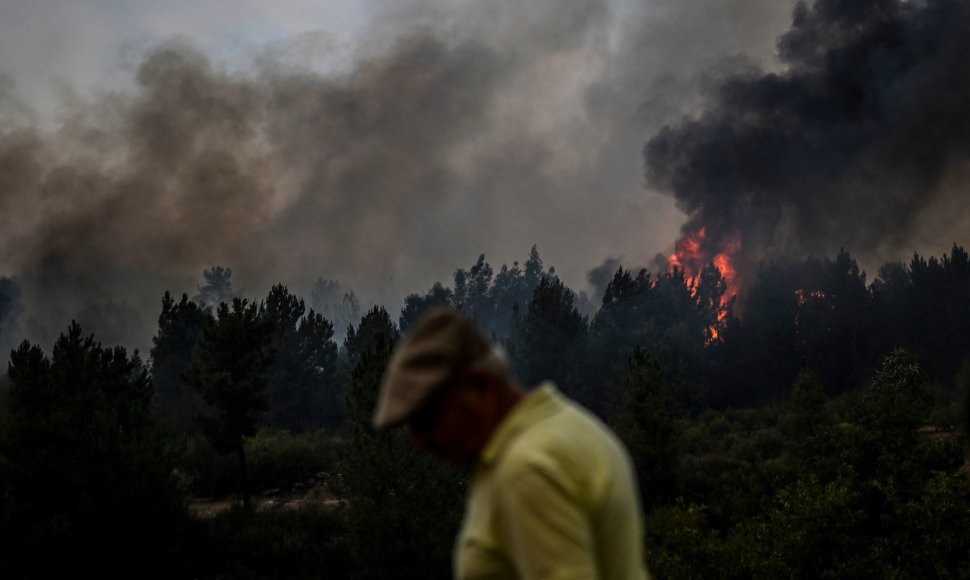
(709, 272)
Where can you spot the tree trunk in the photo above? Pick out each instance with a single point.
(247, 499)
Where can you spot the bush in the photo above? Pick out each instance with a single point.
(277, 459)
(681, 544)
(291, 544)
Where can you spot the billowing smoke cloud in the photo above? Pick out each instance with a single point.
(861, 140)
(453, 129)
(276, 172)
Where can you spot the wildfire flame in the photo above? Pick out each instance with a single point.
(692, 254)
(686, 253)
(714, 331)
(802, 296)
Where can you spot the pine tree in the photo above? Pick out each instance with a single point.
(229, 370)
(302, 377)
(179, 326)
(405, 505)
(86, 477)
(415, 305)
(550, 342)
(217, 288)
(645, 422)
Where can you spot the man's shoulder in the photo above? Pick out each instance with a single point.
(561, 445)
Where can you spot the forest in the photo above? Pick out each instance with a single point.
(814, 426)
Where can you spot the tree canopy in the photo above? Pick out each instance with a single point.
(229, 368)
(87, 477)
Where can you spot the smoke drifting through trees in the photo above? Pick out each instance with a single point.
(276, 173)
(858, 142)
(451, 131)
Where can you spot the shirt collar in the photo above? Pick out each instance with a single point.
(540, 403)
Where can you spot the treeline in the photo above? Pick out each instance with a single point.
(815, 435)
(819, 314)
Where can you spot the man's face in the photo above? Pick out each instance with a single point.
(453, 424)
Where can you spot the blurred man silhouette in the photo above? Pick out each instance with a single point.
(553, 493)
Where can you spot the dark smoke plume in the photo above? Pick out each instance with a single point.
(859, 140)
(451, 129)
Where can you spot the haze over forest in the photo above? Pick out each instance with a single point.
(734, 230)
(387, 147)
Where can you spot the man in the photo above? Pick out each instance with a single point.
(552, 494)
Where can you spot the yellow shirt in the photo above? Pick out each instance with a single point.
(553, 496)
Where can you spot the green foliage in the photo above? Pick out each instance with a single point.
(962, 388)
(804, 412)
(764, 355)
(404, 505)
(415, 306)
(472, 290)
(898, 398)
(287, 544)
(667, 317)
(882, 437)
(681, 544)
(180, 324)
(645, 423)
(935, 310)
(279, 459)
(495, 301)
(510, 293)
(833, 318)
(207, 473)
(374, 330)
(731, 461)
(551, 340)
(928, 524)
(852, 528)
(229, 370)
(811, 530)
(833, 475)
(85, 474)
(859, 488)
(876, 494)
(302, 379)
(275, 460)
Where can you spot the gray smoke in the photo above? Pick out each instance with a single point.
(600, 277)
(861, 140)
(455, 129)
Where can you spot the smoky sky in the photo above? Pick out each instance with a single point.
(452, 129)
(860, 140)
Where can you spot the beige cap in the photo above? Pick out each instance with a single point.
(438, 349)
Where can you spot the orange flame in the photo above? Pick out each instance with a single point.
(690, 256)
(725, 264)
(715, 329)
(687, 255)
(803, 296)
